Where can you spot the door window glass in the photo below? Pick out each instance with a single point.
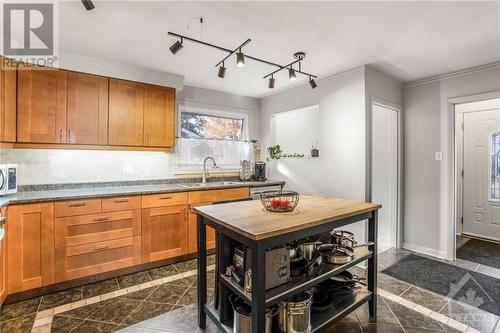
(495, 166)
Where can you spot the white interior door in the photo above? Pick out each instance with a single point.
(385, 172)
(481, 192)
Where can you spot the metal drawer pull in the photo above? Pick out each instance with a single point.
(80, 204)
(121, 200)
(101, 247)
(100, 219)
(165, 198)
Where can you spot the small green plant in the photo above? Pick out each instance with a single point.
(292, 155)
(274, 152)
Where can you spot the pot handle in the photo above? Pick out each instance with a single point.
(232, 299)
(364, 244)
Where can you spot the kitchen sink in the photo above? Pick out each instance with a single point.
(195, 185)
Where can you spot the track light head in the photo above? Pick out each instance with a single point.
(240, 59)
(291, 74)
(271, 82)
(312, 82)
(88, 4)
(222, 71)
(176, 47)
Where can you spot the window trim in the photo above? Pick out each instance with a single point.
(490, 157)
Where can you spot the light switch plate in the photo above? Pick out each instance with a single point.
(438, 156)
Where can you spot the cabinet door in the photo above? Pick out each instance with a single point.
(159, 116)
(193, 230)
(30, 245)
(8, 89)
(126, 113)
(3, 263)
(41, 106)
(164, 232)
(235, 193)
(87, 116)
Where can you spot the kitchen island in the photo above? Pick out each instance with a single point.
(249, 224)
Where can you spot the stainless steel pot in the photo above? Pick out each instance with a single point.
(309, 250)
(342, 238)
(295, 251)
(335, 254)
(242, 316)
(295, 313)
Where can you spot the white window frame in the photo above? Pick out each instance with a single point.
(210, 112)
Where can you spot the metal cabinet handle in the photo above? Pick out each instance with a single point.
(101, 247)
(3, 220)
(80, 204)
(121, 200)
(100, 219)
(60, 135)
(69, 136)
(166, 198)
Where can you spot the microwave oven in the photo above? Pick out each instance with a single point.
(8, 179)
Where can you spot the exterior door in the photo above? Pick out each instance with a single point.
(87, 117)
(481, 192)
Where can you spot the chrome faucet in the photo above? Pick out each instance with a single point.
(204, 179)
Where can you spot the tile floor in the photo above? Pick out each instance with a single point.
(164, 300)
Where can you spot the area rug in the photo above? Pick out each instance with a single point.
(481, 252)
(478, 290)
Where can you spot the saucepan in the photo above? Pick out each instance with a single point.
(343, 238)
(335, 254)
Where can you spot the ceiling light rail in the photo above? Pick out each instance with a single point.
(241, 59)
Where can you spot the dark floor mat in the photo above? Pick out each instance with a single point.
(481, 252)
(477, 289)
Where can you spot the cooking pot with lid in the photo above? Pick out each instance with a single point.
(242, 316)
(295, 313)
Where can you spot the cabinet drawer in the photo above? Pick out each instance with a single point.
(77, 207)
(205, 196)
(162, 200)
(85, 229)
(235, 193)
(121, 203)
(89, 259)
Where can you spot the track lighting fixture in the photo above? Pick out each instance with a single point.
(312, 82)
(271, 82)
(240, 59)
(222, 71)
(88, 4)
(176, 47)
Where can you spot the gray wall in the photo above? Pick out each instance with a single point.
(428, 128)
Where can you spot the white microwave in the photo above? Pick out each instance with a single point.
(8, 178)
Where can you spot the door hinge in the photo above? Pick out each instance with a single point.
(462, 173)
(462, 126)
(462, 220)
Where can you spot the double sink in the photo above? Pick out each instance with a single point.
(209, 184)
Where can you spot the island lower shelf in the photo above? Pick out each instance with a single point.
(340, 308)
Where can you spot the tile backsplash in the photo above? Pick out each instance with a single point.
(39, 166)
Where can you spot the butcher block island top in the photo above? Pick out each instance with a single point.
(251, 220)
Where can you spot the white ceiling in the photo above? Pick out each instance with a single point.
(408, 40)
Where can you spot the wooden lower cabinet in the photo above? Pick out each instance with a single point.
(30, 245)
(164, 232)
(96, 243)
(3, 262)
(193, 229)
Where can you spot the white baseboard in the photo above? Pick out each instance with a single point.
(424, 250)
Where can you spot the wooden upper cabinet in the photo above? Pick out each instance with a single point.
(87, 115)
(126, 113)
(30, 245)
(41, 105)
(159, 116)
(8, 82)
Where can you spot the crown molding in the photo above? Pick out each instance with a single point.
(462, 72)
(80, 63)
(320, 82)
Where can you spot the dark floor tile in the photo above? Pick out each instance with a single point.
(19, 309)
(190, 297)
(344, 327)
(179, 319)
(427, 299)
(423, 330)
(186, 266)
(384, 314)
(85, 311)
(18, 325)
(468, 315)
(167, 293)
(115, 310)
(140, 295)
(89, 326)
(378, 328)
(162, 272)
(133, 279)
(60, 298)
(145, 311)
(211, 259)
(185, 282)
(100, 288)
(412, 319)
(61, 324)
(351, 318)
(391, 285)
(211, 279)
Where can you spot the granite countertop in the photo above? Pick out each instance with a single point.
(109, 191)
